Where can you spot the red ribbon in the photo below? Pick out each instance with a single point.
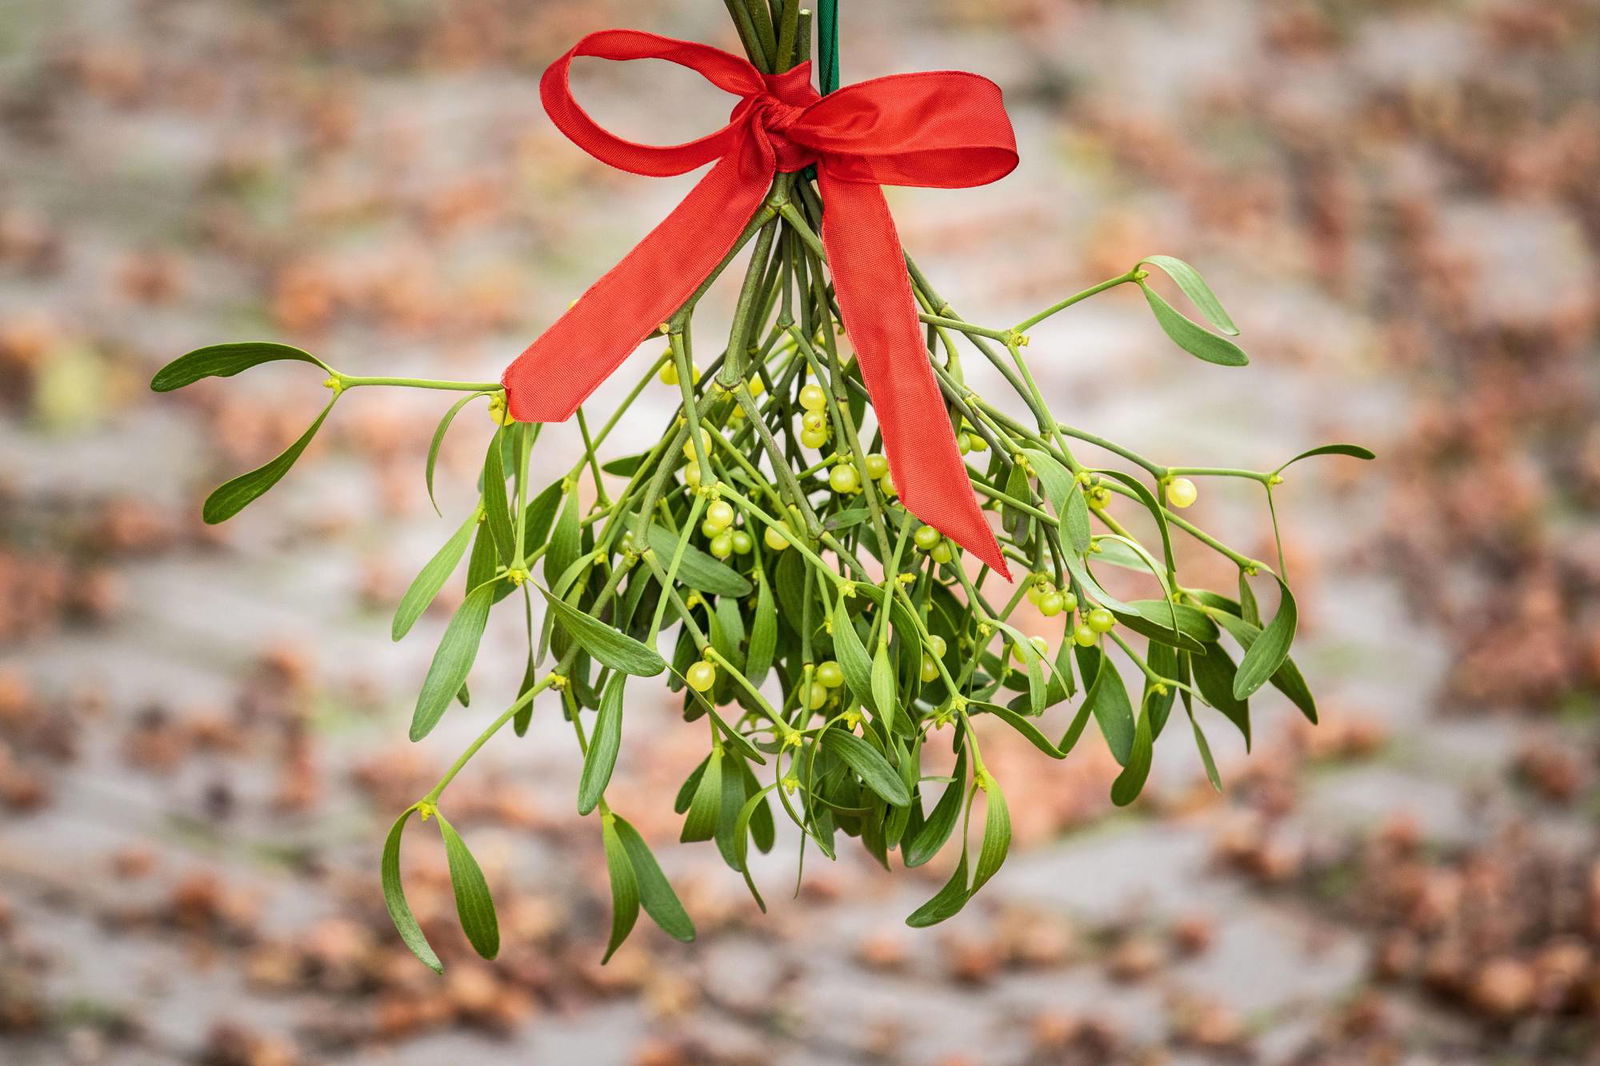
(940, 129)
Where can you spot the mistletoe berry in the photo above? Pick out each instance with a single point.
(701, 676)
(1181, 492)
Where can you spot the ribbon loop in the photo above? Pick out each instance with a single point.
(941, 129)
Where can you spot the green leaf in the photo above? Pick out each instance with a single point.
(698, 569)
(540, 516)
(1198, 342)
(1086, 582)
(1354, 451)
(624, 888)
(496, 506)
(566, 542)
(742, 832)
(763, 633)
(224, 361)
(852, 656)
(1163, 659)
(1062, 490)
(1214, 675)
(1177, 624)
(947, 902)
(1195, 288)
(706, 806)
(438, 440)
(1075, 521)
(850, 516)
(452, 661)
(883, 686)
(1014, 519)
(394, 897)
(868, 764)
(473, 905)
(234, 496)
(1269, 652)
(1148, 500)
(1206, 757)
(431, 579)
(1022, 725)
(996, 836)
(1126, 788)
(1287, 680)
(625, 466)
(616, 650)
(481, 563)
(601, 758)
(661, 903)
(1107, 700)
(939, 824)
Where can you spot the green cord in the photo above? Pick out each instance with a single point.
(828, 46)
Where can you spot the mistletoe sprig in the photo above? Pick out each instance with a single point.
(820, 635)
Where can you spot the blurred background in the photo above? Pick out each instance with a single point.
(202, 730)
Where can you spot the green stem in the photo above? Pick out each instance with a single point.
(1122, 279)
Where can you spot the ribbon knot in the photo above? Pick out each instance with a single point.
(939, 129)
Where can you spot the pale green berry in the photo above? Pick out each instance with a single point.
(1181, 492)
(701, 676)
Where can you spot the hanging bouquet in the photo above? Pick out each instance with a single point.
(834, 532)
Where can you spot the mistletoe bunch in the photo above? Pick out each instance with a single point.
(818, 632)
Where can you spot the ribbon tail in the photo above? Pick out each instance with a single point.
(880, 316)
(557, 372)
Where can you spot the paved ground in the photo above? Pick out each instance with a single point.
(203, 730)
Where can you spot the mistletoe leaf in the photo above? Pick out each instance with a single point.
(996, 835)
(394, 897)
(604, 742)
(224, 361)
(624, 888)
(609, 647)
(698, 569)
(425, 587)
(452, 661)
(1196, 289)
(927, 841)
(234, 496)
(661, 903)
(1198, 342)
(1263, 658)
(474, 907)
(947, 902)
(438, 440)
(868, 764)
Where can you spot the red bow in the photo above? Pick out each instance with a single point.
(941, 129)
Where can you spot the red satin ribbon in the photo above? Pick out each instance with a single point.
(940, 129)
